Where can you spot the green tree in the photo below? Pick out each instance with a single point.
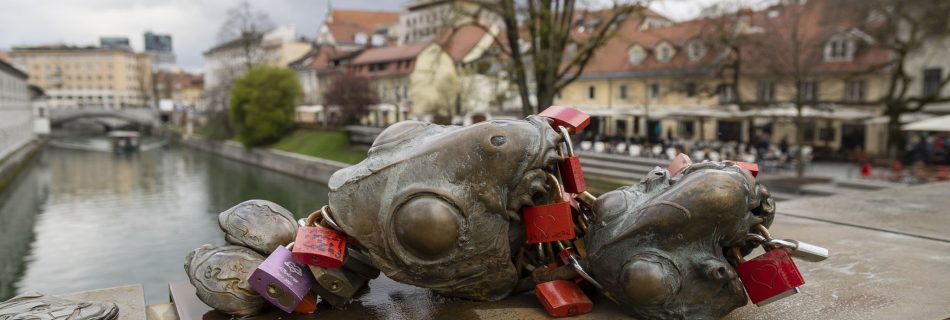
(262, 104)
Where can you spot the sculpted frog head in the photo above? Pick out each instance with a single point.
(437, 206)
(660, 247)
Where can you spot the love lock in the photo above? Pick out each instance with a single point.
(549, 222)
(768, 277)
(575, 120)
(337, 286)
(562, 298)
(679, 164)
(571, 167)
(317, 245)
(281, 281)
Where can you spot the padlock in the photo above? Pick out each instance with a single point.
(317, 245)
(769, 277)
(679, 164)
(801, 250)
(549, 222)
(570, 169)
(752, 167)
(282, 281)
(359, 263)
(339, 282)
(308, 305)
(562, 298)
(574, 120)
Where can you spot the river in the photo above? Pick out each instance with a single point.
(78, 220)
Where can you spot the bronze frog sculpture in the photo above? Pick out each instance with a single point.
(440, 207)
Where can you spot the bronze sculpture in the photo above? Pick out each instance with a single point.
(441, 207)
(44, 307)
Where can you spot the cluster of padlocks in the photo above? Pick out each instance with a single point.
(321, 262)
(317, 263)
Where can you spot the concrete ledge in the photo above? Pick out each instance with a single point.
(303, 166)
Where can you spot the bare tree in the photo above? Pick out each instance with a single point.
(245, 24)
(353, 93)
(549, 42)
(907, 28)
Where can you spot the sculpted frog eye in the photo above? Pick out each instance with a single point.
(650, 279)
(427, 226)
(498, 140)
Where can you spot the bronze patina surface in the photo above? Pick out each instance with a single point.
(258, 224)
(658, 247)
(44, 307)
(437, 206)
(220, 276)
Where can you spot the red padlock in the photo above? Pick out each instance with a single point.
(549, 222)
(748, 166)
(571, 167)
(679, 164)
(562, 298)
(319, 246)
(575, 120)
(769, 277)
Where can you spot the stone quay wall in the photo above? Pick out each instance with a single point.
(303, 166)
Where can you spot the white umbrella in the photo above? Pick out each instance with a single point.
(932, 124)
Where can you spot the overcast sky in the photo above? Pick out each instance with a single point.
(193, 24)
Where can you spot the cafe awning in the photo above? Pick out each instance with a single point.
(938, 124)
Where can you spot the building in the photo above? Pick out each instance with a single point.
(316, 68)
(16, 114)
(355, 29)
(426, 19)
(184, 89)
(75, 76)
(115, 43)
(229, 60)
(663, 80)
(159, 47)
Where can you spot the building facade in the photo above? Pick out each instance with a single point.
(226, 62)
(159, 47)
(16, 114)
(357, 29)
(87, 76)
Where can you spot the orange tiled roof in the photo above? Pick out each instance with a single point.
(345, 24)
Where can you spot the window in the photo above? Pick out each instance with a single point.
(839, 49)
(686, 129)
(690, 89)
(654, 91)
(696, 50)
(725, 93)
(623, 91)
(766, 91)
(359, 38)
(854, 91)
(636, 54)
(808, 90)
(591, 92)
(664, 53)
(932, 78)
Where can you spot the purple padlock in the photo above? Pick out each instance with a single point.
(281, 281)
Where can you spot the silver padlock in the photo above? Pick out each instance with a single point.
(802, 250)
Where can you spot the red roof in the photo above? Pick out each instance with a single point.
(395, 53)
(460, 41)
(345, 24)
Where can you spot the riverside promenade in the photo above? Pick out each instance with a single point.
(890, 259)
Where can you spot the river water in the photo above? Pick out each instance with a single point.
(79, 220)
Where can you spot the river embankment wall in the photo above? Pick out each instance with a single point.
(16, 160)
(307, 167)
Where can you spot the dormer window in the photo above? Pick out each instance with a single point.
(636, 54)
(839, 49)
(696, 50)
(359, 38)
(664, 52)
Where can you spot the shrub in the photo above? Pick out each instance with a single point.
(262, 104)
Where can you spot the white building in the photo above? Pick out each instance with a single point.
(16, 115)
(227, 61)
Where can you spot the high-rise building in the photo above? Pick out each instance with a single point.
(114, 42)
(87, 76)
(159, 47)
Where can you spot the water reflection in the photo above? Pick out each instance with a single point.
(109, 220)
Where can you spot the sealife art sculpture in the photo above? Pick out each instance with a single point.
(500, 207)
(44, 307)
